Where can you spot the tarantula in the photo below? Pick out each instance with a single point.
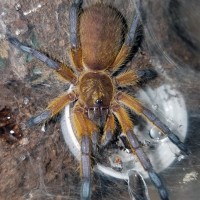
(98, 49)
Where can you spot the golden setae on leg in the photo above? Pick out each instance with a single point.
(53, 108)
(127, 128)
(86, 131)
(136, 106)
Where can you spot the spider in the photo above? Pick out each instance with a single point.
(99, 47)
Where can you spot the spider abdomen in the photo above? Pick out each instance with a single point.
(101, 35)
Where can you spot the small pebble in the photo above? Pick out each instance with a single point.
(26, 100)
(24, 141)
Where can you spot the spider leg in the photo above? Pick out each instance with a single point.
(94, 137)
(74, 19)
(133, 104)
(85, 167)
(127, 78)
(85, 130)
(61, 69)
(131, 77)
(127, 128)
(108, 130)
(146, 74)
(53, 108)
(127, 46)
(76, 51)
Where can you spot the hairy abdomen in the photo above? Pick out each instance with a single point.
(101, 35)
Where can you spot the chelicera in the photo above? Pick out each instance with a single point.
(98, 49)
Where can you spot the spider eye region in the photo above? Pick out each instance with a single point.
(99, 102)
(96, 89)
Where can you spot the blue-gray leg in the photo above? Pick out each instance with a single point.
(42, 117)
(147, 165)
(54, 107)
(133, 104)
(129, 41)
(158, 183)
(173, 138)
(61, 69)
(86, 167)
(40, 56)
(76, 51)
(95, 138)
(146, 74)
(74, 20)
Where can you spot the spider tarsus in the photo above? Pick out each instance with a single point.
(19, 45)
(86, 170)
(86, 189)
(132, 33)
(38, 118)
(14, 41)
(163, 194)
(147, 165)
(74, 14)
(78, 2)
(147, 74)
(156, 180)
(85, 157)
(175, 139)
